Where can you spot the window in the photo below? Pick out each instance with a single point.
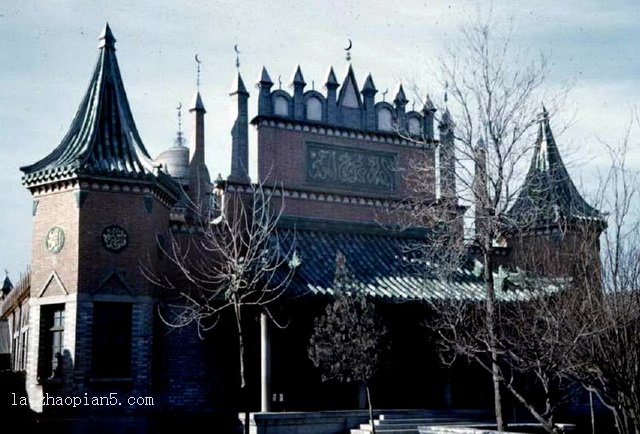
(414, 126)
(51, 341)
(111, 355)
(281, 106)
(385, 120)
(314, 109)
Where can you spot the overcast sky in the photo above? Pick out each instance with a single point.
(49, 48)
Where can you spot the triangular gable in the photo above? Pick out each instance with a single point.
(115, 284)
(54, 286)
(349, 92)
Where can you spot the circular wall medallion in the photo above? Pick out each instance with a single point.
(55, 239)
(115, 238)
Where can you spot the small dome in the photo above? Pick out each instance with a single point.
(175, 161)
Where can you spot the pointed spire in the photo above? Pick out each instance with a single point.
(196, 103)
(331, 79)
(298, 79)
(238, 85)
(107, 40)
(428, 105)
(240, 132)
(368, 85)
(265, 79)
(548, 193)
(400, 98)
(264, 97)
(103, 138)
(447, 120)
(7, 286)
(369, 93)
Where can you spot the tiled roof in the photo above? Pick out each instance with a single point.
(103, 138)
(548, 195)
(382, 265)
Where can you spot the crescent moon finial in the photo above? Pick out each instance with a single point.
(198, 62)
(348, 50)
(235, 48)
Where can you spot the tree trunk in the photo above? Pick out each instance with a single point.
(373, 425)
(493, 342)
(240, 345)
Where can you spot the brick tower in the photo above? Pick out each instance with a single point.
(99, 205)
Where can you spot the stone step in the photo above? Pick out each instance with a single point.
(410, 424)
(451, 414)
(424, 420)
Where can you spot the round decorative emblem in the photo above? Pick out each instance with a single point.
(55, 239)
(114, 238)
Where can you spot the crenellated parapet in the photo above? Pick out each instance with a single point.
(344, 105)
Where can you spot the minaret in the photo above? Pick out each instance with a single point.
(369, 96)
(447, 157)
(196, 148)
(428, 113)
(264, 97)
(332, 108)
(240, 132)
(199, 180)
(401, 102)
(298, 85)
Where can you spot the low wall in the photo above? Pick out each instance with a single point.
(317, 422)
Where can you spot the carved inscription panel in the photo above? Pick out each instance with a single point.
(349, 168)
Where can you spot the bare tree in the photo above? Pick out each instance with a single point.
(608, 360)
(493, 95)
(231, 263)
(349, 340)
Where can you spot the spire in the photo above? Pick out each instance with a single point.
(240, 132)
(238, 85)
(548, 193)
(107, 40)
(447, 121)
(400, 98)
(369, 96)
(331, 79)
(368, 85)
(264, 97)
(103, 138)
(196, 103)
(298, 84)
(298, 79)
(428, 105)
(428, 114)
(264, 78)
(332, 109)
(7, 286)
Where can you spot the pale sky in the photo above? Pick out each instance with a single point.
(48, 50)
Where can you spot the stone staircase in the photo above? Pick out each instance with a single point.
(407, 421)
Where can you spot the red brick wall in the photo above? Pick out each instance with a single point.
(281, 158)
(56, 208)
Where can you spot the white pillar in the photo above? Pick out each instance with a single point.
(265, 364)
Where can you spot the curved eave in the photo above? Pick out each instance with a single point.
(60, 174)
(103, 137)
